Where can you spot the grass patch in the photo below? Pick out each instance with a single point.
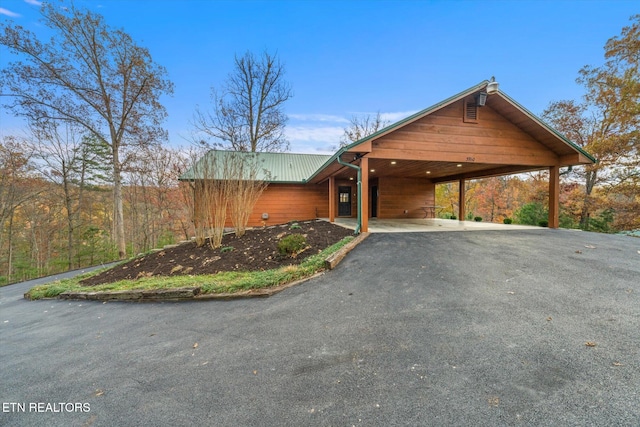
(225, 282)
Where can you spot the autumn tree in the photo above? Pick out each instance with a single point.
(361, 126)
(606, 122)
(492, 198)
(65, 157)
(151, 180)
(16, 189)
(90, 75)
(248, 108)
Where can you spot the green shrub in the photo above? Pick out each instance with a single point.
(477, 219)
(543, 223)
(295, 226)
(531, 214)
(602, 222)
(291, 244)
(226, 249)
(507, 220)
(453, 217)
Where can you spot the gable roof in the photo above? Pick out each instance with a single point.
(303, 168)
(271, 167)
(500, 101)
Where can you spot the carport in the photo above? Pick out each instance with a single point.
(478, 133)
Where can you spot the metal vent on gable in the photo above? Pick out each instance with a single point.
(470, 111)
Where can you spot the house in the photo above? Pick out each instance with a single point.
(478, 133)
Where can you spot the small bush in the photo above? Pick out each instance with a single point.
(507, 221)
(295, 226)
(531, 214)
(291, 244)
(226, 249)
(453, 217)
(477, 219)
(543, 223)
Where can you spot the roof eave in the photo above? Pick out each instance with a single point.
(419, 114)
(399, 123)
(546, 126)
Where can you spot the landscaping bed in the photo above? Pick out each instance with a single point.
(245, 264)
(255, 251)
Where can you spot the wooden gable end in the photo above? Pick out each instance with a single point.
(448, 135)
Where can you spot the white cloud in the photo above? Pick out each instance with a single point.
(33, 2)
(328, 135)
(313, 148)
(7, 12)
(318, 118)
(394, 117)
(391, 117)
(321, 133)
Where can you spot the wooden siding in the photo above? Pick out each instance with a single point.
(444, 136)
(287, 202)
(399, 194)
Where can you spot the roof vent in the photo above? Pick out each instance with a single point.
(492, 87)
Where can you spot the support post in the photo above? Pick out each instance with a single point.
(364, 193)
(461, 200)
(554, 197)
(332, 199)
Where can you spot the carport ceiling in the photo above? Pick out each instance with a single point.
(435, 171)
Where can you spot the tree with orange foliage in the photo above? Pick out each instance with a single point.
(606, 123)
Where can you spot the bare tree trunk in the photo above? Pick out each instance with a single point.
(70, 222)
(585, 213)
(118, 215)
(10, 242)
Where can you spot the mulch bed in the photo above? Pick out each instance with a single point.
(256, 250)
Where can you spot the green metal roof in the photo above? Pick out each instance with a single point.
(271, 167)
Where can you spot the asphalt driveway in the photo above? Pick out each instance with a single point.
(468, 328)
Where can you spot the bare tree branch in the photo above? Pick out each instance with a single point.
(248, 110)
(89, 75)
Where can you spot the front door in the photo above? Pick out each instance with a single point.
(344, 201)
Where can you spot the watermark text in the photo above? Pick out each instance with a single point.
(55, 407)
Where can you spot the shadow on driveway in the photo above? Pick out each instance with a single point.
(468, 328)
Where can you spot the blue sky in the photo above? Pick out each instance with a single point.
(356, 57)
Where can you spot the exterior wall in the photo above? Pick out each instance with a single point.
(445, 137)
(399, 194)
(287, 202)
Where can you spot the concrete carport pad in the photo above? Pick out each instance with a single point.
(469, 328)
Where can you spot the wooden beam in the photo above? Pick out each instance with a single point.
(575, 159)
(554, 197)
(365, 147)
(461, 200)
(364, 191)
(487, 173)
(529, 159)
(332, 199)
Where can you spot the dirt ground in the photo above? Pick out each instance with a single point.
(256, 250)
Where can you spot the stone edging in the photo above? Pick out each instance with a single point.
(193, 293)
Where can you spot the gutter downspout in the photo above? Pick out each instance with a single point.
(359, 226)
